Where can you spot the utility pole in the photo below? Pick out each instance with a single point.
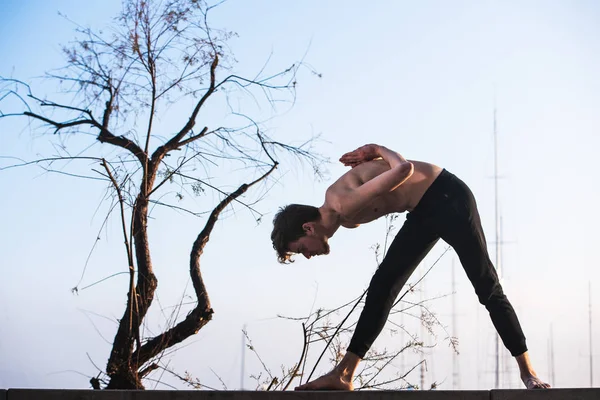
(422, 386)
(498, 269)
(551, 369)
(591, 353)
(243, 361)
(455, 367)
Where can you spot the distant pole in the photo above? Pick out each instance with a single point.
(422, 335)
(497, 383)
(551, 357)
(243, 362)
(402, 359)
(455, 367)
(590, 318)
(503, 361)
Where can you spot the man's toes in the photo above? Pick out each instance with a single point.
(535, 383)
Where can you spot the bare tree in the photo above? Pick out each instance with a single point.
(114, 89)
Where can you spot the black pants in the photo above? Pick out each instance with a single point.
(448, 211)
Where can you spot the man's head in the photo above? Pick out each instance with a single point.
(297, 229)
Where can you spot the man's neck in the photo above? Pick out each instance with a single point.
(330, 221)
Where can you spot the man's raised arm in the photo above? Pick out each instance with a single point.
(400, 170)
(391, 157)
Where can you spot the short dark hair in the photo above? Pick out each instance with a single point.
(287, 227)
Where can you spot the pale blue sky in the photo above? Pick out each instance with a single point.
(419, 78)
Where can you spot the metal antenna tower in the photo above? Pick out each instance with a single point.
(551, 373)
(455, 366)
(243, 360)
(497, 244)
(590, 322)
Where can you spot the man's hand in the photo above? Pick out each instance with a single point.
(363, 154)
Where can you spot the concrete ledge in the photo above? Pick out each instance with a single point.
(551, 394)
(34, 394)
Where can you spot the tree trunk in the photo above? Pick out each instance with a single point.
(126, 379)
(121, 367)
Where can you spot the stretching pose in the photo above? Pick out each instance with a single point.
(439, 205)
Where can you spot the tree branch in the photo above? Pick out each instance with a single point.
(174, 142)
(132, 294)
(202, 313)
(105, 136)
(304, 347)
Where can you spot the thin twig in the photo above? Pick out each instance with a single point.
(304, 348)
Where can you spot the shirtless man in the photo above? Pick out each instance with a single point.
(439, 205)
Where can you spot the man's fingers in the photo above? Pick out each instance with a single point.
(355, 153)
(351, 157)
(352, 165)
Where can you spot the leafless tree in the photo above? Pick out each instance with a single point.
(116, 88)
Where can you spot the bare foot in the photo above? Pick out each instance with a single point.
(533, 382)
(330, 381)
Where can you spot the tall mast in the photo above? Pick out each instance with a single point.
(497, 375)
(422, 385)
(551, 369)
(243, 361)
(590, 321)
(455, 367)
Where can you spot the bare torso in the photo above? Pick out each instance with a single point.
(404, 198)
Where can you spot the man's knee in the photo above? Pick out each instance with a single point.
(491, 295)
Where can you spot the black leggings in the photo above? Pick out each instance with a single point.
(448, 211)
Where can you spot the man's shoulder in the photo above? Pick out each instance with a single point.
(367, 171)
(349, 180)
(358, 175)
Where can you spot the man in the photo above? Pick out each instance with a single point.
(439, 205)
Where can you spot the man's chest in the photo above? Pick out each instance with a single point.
(376, 209)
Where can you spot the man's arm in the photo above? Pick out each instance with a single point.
(350, 203)
(391, 157)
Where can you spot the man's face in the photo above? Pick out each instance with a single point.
(310, 245)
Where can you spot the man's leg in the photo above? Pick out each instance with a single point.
(463, 231)
(412, 243)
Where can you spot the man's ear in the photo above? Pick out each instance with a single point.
(308, 228)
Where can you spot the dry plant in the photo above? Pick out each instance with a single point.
(327, 333)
